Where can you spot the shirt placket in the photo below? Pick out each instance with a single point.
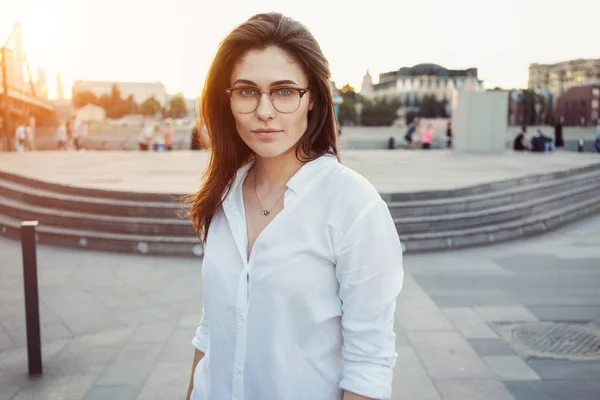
(237, 224)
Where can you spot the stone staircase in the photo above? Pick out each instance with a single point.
(150, 223)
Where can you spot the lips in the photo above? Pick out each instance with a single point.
(266, 133)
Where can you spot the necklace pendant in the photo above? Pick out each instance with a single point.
(265, 212)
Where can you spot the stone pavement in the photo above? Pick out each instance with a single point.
(119, 326)
(179, 172)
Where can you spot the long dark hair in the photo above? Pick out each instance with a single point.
(227, 150)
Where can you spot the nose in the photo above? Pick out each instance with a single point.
(265, 109)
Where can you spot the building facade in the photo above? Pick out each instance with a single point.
(560, 77)
(410, 84)
(140, 91)
(580, 105)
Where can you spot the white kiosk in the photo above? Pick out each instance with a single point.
(479, 121)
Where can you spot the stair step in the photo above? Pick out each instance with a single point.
(96, 222)
(188, 246)
(98, 205)
(497, 214)
(488, 187)
(88, 192)
(485, 235)
(487, 200)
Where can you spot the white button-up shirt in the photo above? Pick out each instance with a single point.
(311, 314)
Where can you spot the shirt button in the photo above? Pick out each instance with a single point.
(238, 370)
(240, 318)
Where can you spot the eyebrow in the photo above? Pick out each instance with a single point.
(276, 83)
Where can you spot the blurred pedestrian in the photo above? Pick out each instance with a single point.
(20, 137)
(427, 137)
(449, 135)
(61, 134)
(199, 136)
(80, 132)
(145, 137)
(519, 143)
(559, 142)
(541, 143)
(69, 126)
(168, 136)
(411, 129)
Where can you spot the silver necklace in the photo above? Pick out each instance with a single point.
(265, 211)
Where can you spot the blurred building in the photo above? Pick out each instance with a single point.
(580, 105)
(409, 84)
(63, 110)
(91, 114)
(560, 77)
(140, 91)
(60, 89)
(40, 84)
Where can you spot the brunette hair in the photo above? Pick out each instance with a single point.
(227, 150)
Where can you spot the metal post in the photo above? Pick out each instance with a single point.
(32, 306)
(6, 126)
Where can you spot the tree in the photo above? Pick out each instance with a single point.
(528, 107)
(104, 102)
(177, 108)
(430, 107)
(150, 106)
(347, 112)
(84, 98)
(380, 113)
(132, 107)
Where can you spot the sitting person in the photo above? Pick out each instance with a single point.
(541, 143)
(519, 143)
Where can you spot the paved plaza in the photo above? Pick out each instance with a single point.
(119, 326)
(179, 172)
(353, 137)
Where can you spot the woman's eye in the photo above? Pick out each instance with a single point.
(247, 92)
(285, 92)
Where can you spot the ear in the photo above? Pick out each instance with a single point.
(311, 103)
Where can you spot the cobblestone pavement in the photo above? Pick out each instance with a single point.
(119, 326)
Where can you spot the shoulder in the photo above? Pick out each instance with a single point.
(347, 190)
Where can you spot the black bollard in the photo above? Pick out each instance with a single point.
(391, 143)
(32, 304)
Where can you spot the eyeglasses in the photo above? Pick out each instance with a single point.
(245, 100)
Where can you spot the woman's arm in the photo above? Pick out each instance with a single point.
(354, 396)
(369, 273)
(197, 357)
(200, 342)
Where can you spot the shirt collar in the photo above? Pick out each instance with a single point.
(298, 181)
(307, 172)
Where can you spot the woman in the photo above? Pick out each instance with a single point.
(199, 136)
(559, 142)
(302, 262)
(427, 136)
(168, 136)
(449, 135)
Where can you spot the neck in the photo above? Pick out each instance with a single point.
(272, 173)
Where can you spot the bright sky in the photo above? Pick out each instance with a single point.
(173, 41)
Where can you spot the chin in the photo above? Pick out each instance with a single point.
(270, 150)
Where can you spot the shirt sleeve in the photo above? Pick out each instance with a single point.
(369, 272)
(201, 339)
